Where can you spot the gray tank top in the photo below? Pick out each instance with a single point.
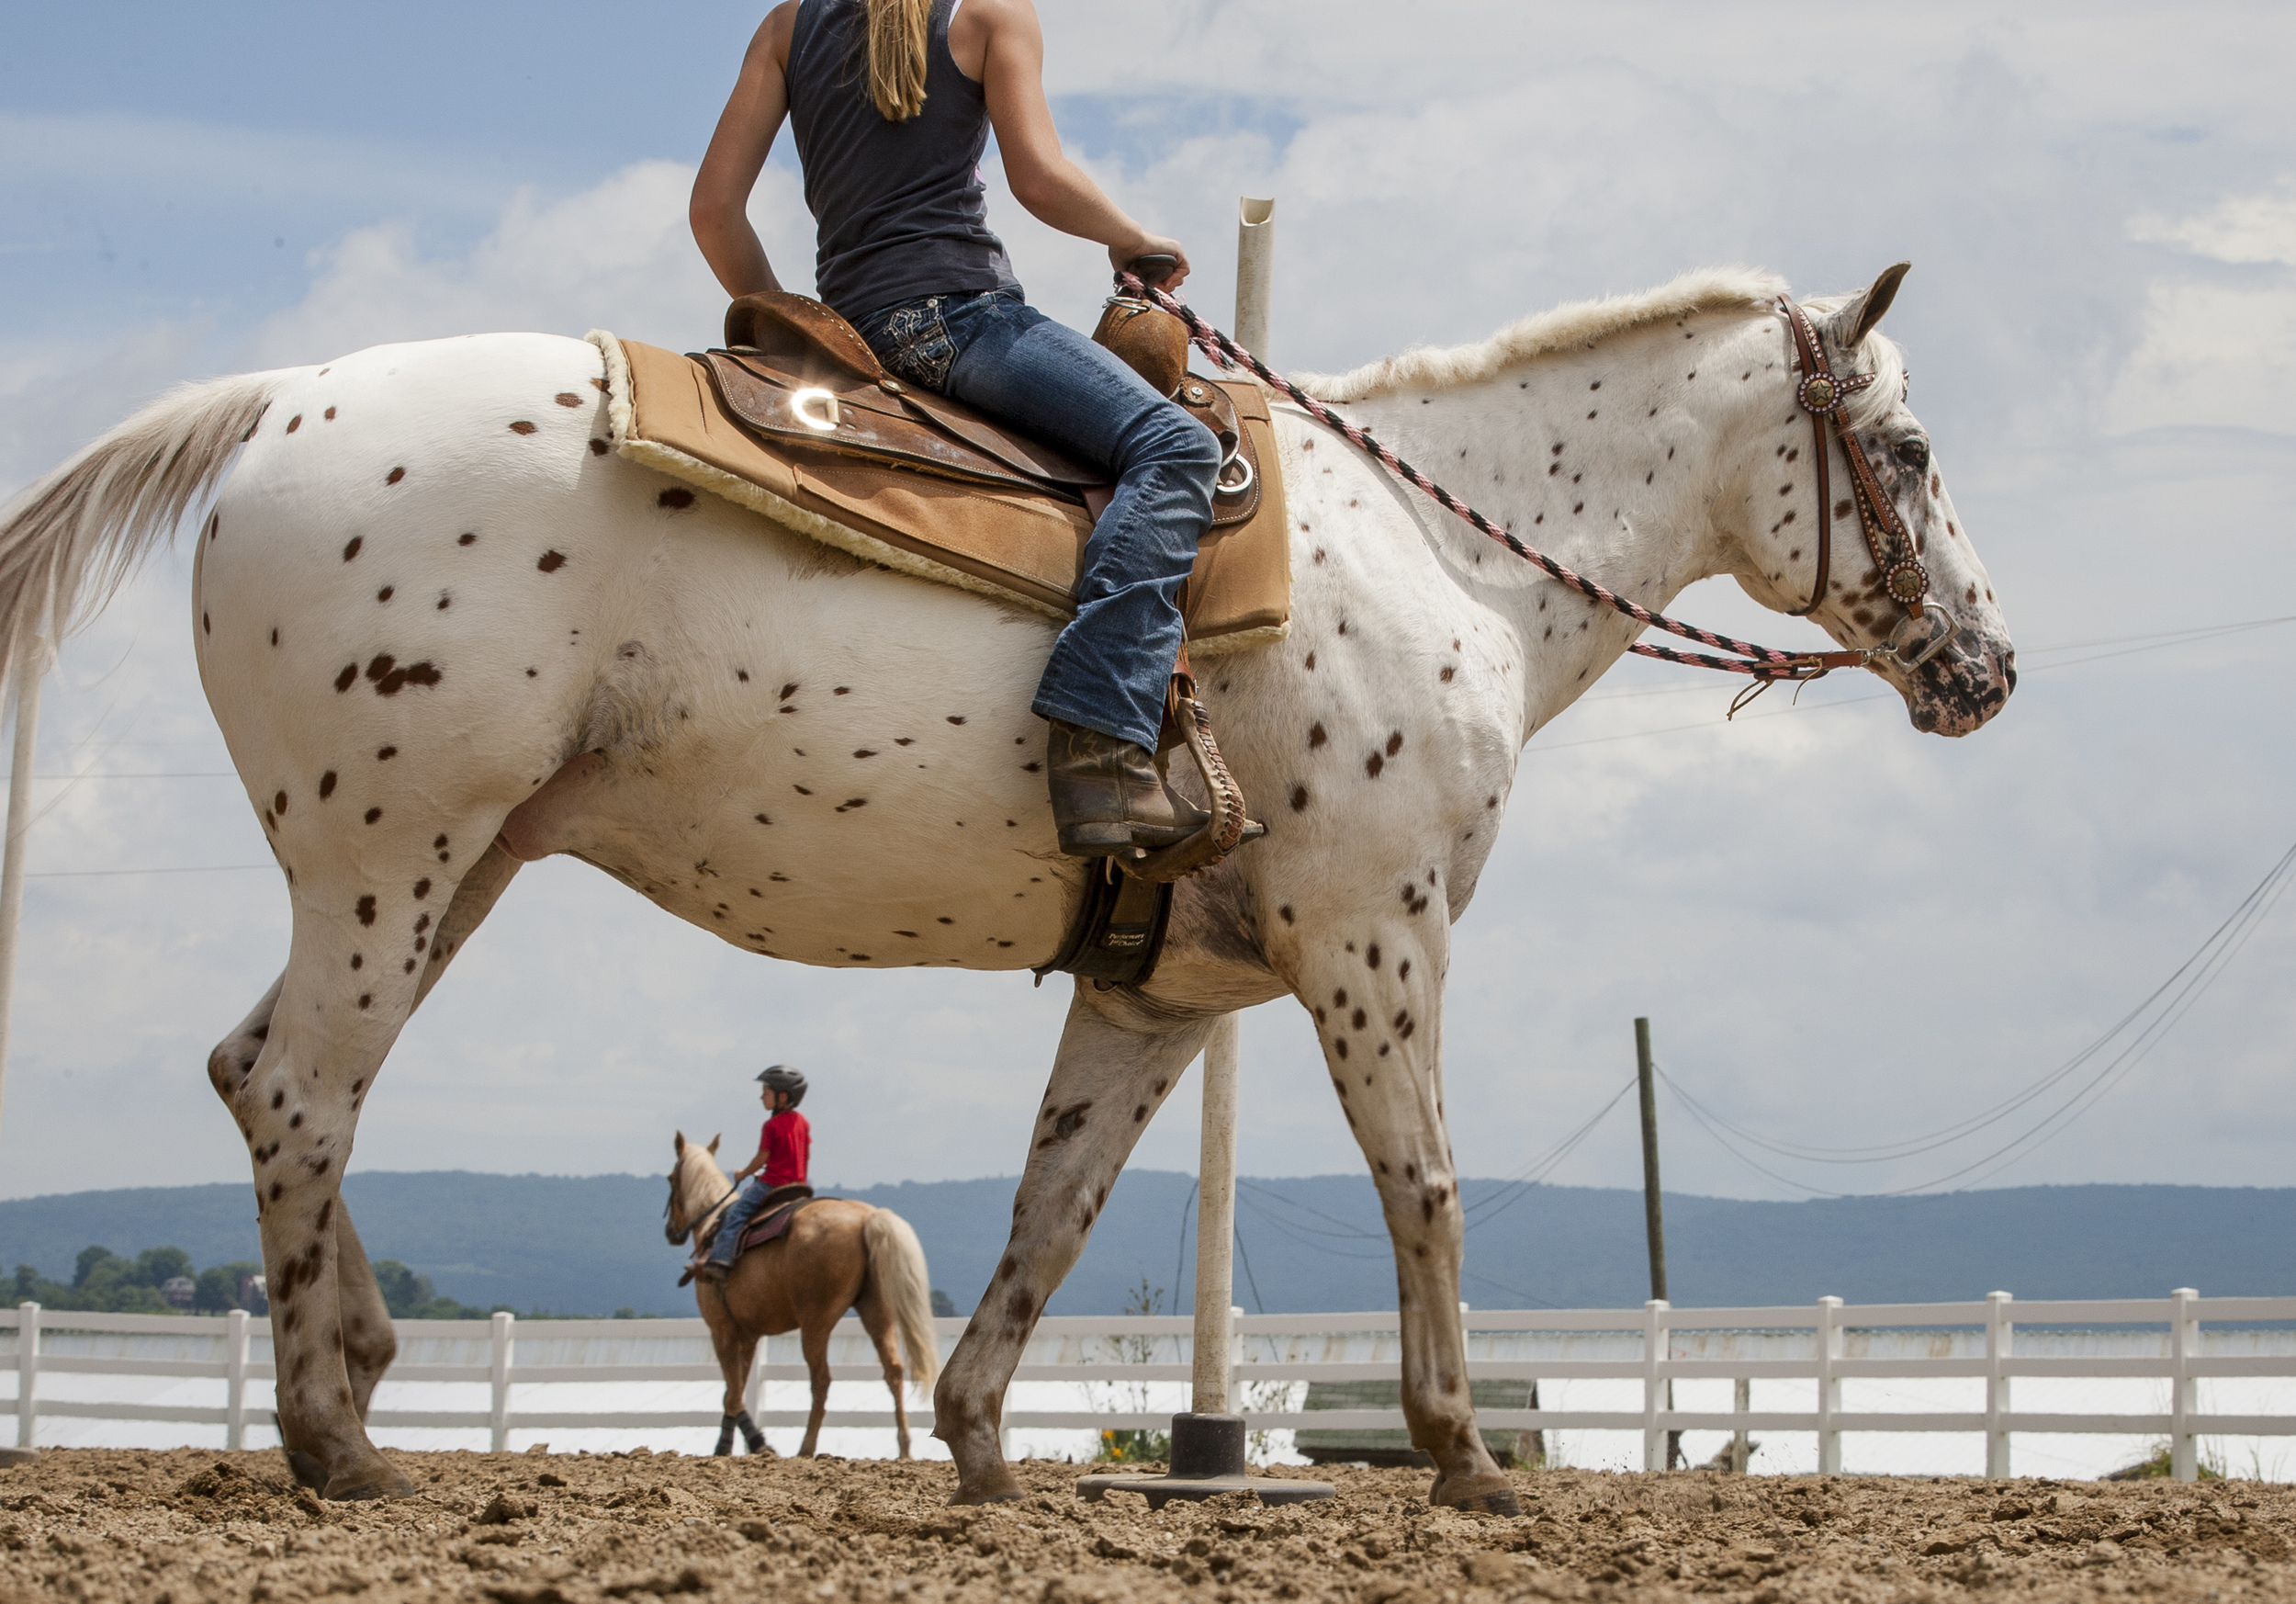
(899, 207)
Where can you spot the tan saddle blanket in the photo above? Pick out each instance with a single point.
(795, 420)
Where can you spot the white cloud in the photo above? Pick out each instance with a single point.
(617, 256)
(2218, 349)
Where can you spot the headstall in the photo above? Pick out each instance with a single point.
(1824, 397)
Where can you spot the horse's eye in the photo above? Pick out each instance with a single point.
(1914, 452)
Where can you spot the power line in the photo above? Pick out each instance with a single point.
(2182, 990)
(189, 869)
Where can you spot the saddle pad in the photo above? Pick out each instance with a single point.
(1012, 543)
(767, 1225)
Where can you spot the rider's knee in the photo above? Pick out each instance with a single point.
(1176, 441)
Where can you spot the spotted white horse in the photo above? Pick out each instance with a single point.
(445, 629)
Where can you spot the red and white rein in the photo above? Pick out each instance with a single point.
(1762, 662)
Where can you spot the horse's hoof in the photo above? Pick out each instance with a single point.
(369, 1482)
(1492, 1494)
(307, 1471)
(996, 1488)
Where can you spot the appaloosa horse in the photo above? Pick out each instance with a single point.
(430, 586)
(837, 1253)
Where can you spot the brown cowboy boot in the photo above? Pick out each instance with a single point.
(1107, 797)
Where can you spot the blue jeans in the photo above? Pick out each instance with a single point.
(738, 1213)
(992, 350)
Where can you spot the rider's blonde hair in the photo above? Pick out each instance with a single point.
(899, 31)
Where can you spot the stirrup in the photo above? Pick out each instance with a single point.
(1227, 828)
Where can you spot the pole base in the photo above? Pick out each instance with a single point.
(9, 1456)
(1207, 1460)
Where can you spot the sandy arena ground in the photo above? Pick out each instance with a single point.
(188, 1526)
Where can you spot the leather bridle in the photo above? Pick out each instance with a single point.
(669, 1206)
(1917, 638)
(1825, 398)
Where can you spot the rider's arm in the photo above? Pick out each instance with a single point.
(1055, 190)
(719, 211)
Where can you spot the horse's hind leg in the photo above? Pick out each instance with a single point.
(294, 1075)
(877, 1318)
(369, 1341)
(1110, 1075)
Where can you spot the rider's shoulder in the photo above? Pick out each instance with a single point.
(997, 13)
(774, 33)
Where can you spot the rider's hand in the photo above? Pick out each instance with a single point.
(1125, 254)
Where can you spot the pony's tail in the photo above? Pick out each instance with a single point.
(897, 1260)
(71, 540)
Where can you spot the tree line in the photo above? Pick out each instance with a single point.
(105, 1282)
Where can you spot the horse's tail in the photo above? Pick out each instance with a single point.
(897, 1260)
(71, 540)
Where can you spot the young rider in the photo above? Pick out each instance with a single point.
(891, 102)
(785, 1148)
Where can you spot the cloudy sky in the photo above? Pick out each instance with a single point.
(1848, 933)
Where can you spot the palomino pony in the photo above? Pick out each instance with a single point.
(837, 1254)
(445, 629)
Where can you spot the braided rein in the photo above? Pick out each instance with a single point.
(1760, 662)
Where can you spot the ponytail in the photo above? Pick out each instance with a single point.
(899, 31)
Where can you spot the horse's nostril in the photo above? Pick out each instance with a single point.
(2009, 669)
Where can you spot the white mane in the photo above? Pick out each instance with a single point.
(1581, 323)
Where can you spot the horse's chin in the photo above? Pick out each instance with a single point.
(1959, 692)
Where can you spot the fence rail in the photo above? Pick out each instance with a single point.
(1268, 1348)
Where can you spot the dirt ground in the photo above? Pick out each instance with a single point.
(188, 1526)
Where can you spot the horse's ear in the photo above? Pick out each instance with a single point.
(1875, 304)
(714, 1142)
(681, 1144)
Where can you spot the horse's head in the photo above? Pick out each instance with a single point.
(1964, 682)
(695, 1184)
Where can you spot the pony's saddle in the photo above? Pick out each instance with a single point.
(773, 1216)
(797, 419)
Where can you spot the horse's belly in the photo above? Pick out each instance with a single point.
(854, 850)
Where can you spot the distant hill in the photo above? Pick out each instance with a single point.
(591, 1243)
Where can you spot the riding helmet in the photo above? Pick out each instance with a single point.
(782, 1078)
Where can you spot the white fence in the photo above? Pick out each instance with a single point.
(2180, 1341)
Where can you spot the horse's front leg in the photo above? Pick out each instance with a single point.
(1112, 1075)
(1377, 1001)
(815, 1341)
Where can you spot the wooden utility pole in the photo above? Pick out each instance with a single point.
(1653, 1213)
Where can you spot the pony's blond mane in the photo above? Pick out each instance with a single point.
(1575, 324)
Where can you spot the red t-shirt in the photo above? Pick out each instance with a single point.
(787, 1144)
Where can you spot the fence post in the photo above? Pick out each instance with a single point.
(1829, 1386)
(1999, 1334)
(27, 1371)
(1742, 1402)
(499, 1418)
(1656, 1335)
(235, 1382)
(2184, 1347)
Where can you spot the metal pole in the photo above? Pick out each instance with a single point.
(1254, 272)
(1215, 1220)
(1653, 1216)
(28, 678)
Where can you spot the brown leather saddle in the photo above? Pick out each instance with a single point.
(800, 376)
(772, 1218)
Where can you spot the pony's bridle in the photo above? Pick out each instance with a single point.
(670, 1203)
(1825, 398)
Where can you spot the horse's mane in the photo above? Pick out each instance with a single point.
(1577, 323)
